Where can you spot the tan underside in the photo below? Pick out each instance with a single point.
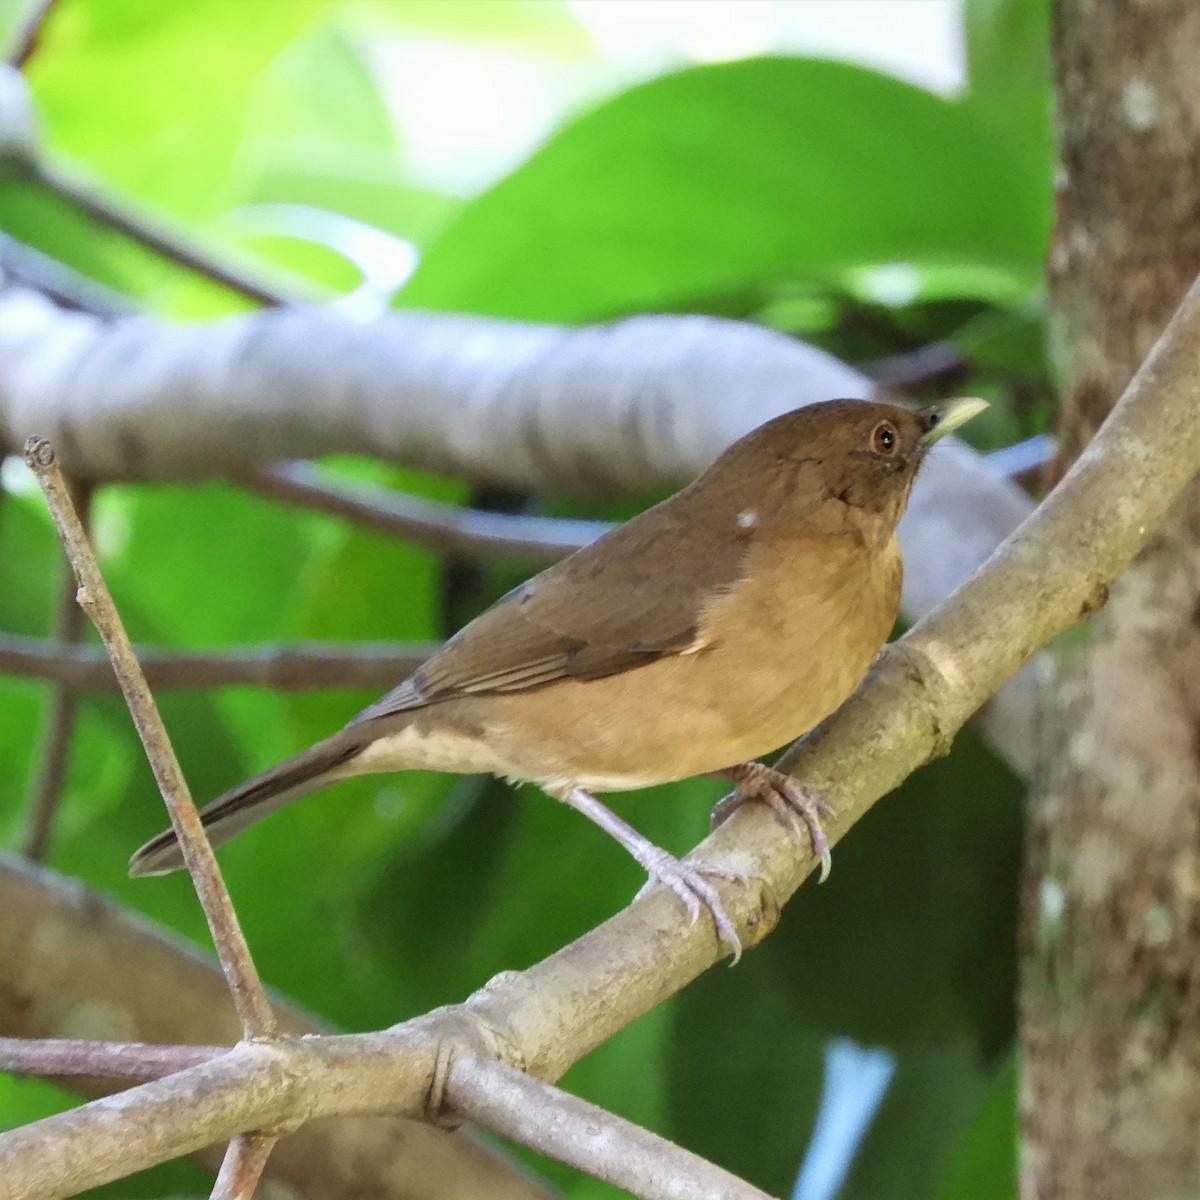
(793, 645)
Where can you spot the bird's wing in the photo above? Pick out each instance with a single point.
(636, 594)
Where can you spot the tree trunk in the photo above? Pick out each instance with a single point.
(1110, 1021)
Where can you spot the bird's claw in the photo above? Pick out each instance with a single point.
(791, 802)
(696, 893)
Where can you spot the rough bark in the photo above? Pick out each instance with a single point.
(1111, 984)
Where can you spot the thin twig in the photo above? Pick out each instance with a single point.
(289, 667)
(935, 362)
(466, 531)
(250, 1000)
(27, 34)
(55, 750)
(157, 237)
(563, 1127)
(22, 264)
(108, 1060)
(444, 527)
(242, 1166)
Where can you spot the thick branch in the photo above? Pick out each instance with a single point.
(634, 406)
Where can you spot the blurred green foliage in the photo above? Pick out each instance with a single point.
(828, 200)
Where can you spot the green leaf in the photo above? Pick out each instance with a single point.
(544, 26)
(150, 95)
(1008, 71)
(715, 177)
(318, 133)
(983, 1165)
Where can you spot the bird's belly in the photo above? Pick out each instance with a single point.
(766, 683)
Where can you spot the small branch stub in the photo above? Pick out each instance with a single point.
(39, 454)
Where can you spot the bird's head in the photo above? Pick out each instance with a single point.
(861, 455)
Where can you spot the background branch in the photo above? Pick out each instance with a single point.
(27, 32)
(642, 404)
(537, 541)
(155, 235)
(59, 723)
(103, 1060)
(295, 666)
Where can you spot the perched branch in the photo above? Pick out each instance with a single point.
(568, 1129)
(248, 996)
(290, 667)
(1050, 574)
(55, 749)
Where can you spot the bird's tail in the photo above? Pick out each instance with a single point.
(240, 807)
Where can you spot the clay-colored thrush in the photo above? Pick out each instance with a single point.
(713, 628)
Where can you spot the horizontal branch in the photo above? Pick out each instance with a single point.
(100, 1060)
(639, 405)
(537, 541)
(294, 666)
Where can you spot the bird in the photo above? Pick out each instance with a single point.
(706, 632)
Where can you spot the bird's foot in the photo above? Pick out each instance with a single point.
(798, 808)
(689, 884)
(685, 880)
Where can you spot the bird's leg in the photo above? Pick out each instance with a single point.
(687, 882)
(787, 798)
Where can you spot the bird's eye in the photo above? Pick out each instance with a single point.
(885, 439)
